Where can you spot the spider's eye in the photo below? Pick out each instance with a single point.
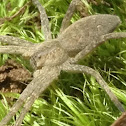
(39, 57)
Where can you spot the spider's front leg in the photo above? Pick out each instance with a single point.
(16, 50)
(15, 41)
(23, 97)
(25, 51)
(16, 46)
(45, 77)
(32, 91)
(100, 80)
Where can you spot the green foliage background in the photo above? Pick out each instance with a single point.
(75, 99)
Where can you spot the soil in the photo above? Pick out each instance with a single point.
(13, 77)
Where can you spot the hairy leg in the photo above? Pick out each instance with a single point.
(115, 35)
(14, 41)
(36, 86)
(23, 97)
(44, 20)
(89, 48)
(43, 83)
(69, 14)
(14, 49)
(100, 80)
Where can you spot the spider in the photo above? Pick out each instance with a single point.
(49, 58)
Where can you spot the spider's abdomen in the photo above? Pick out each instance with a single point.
(87, 31)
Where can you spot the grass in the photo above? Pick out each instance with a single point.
(75, 99)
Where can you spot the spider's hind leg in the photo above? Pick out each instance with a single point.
(100, 80)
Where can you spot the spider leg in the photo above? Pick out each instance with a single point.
(100, 80)
(35, 84)
(115, 35)
(69, 14)
(44, 20)
(89, 48)
(24, 95)
(14, 41)
(13, 49)
(43, 83)
(24, 51)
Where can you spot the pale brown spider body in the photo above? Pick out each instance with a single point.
(62, 53)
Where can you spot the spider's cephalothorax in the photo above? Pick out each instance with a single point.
(49, 54)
